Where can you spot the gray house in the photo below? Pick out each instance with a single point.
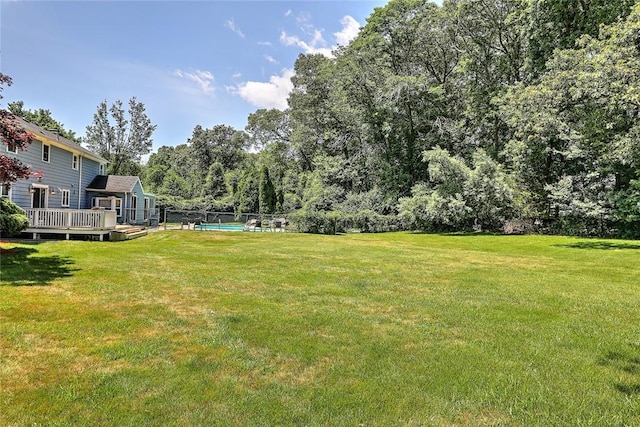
(125, 195)
(69, 191)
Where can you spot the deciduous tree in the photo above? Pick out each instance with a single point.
(11, 135)
(118, 139)
(42, 118)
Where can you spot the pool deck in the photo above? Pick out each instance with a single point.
(216, 227)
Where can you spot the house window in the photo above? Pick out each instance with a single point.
(45, 152)
(12, 147)
(75, 162)
(109, 203)
(65, 198)
(4, 191)
(102, 169)
(146, 209)
(134, 207)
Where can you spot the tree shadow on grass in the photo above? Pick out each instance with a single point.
(19, 267)
(628, 362)
(601, 245)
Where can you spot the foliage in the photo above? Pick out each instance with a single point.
(575, 145)
(12, 169)
(214, 185)
(333, 222)
(124, 141)
(42, 118)
(458, 197)
(527, 110)
(266, 192)
(560, 24)
(12, 218)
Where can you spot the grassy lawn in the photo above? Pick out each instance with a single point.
(260, 329)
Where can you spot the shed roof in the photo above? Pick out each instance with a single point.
(113, 184)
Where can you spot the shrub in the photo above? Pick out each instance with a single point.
(12, 218)
(332, 222)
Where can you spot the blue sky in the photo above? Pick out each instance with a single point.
(190, 63)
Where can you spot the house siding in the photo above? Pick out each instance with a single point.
(128, 214)
(57, 174)
(90, 169)
(54, 179)
(138, 191)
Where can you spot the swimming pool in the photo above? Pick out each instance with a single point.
(220, 227)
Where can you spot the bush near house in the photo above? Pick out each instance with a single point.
(12, 218)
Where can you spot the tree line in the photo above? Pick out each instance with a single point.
(454, 117)
(464, 116)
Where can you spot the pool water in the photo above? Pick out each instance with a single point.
(221, 227)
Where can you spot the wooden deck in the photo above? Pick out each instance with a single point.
(67, 222)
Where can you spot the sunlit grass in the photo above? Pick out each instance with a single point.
(207, 328)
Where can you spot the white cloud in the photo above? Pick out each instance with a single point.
(350, 30)
(203, 79)
(288, 13)
(270, 59)
(271, 94)
(230, 24)
(315, 42)
(236, 75)
(315, 45)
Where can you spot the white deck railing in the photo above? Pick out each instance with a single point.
(71, 218)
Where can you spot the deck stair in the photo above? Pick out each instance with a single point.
(127, 232)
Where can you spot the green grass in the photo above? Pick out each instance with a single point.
(254, 329)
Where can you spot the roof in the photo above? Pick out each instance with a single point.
(56, 139)
(113, 184)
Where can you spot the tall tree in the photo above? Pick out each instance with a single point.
(267, 192)
(559, 24)
(12, 169)
(124, 141)
(221, 144)
(576, 130)
(266, 127)
(214, 185)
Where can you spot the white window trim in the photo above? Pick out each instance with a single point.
(48, 160)
(147, 208)
(64, 193)
(113, 203)
(46, 195)
(133, 215)
(15, 148)
(75, 161)
(3, 187)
